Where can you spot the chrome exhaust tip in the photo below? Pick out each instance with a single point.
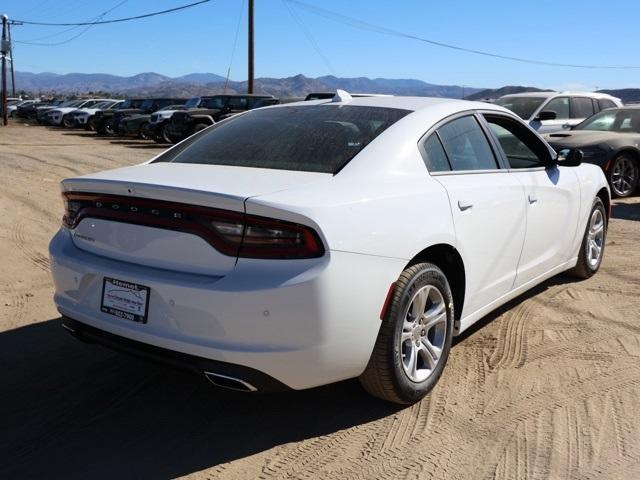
(230, 383)
(69, 329)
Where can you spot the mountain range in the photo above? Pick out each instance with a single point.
(151, 83)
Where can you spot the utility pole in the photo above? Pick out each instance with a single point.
(250, 69)
(4, 48)
(13, 74)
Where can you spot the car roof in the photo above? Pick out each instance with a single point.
(558, 94)
(404, 103)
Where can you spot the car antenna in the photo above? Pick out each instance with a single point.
(341, 96)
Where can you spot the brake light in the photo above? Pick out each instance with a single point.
(231, 233)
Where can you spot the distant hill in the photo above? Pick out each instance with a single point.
(145, 84)
(492, 94)
(627, 95)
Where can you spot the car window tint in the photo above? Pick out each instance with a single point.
(435, 158)
(604, 103)
(312, 138)
(559, 105)
(581, 107)
(466, 145)
(521, 147)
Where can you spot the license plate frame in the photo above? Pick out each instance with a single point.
(125, 300)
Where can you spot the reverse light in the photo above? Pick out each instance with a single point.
(231, 233)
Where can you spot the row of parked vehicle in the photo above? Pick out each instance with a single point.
(607, 132)
(165, 120)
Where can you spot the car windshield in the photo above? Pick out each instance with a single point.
(192, 102)
(102, 105)
(319, 138)
(623, 121)
(68, 103)
(524, 107)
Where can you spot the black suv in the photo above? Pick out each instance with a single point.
(108, 122)
(211, 110)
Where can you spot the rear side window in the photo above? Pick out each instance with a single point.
(581, 107)
(313, 138)
(604, 103)
(466, 145)
(436, 158)
(559, 105)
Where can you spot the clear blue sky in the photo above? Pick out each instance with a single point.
(201, 39)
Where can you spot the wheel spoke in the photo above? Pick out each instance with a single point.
(437, 314)
(432, 351)
(405, 336)
(426, 357)
(412, 361)
(420, 303)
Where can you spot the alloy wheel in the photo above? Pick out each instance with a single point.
(624, 176)
(595, 238)
(423, 333)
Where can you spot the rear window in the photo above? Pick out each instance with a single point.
(320, 138)
(521, 106)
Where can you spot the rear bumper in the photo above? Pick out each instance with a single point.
(260, 381)
(304, 323)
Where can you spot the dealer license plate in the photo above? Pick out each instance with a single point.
(126, 300)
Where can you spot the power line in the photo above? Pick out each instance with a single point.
(116, 20)
(353, 22)
(84, 30)
(309, 36)
(235, 43)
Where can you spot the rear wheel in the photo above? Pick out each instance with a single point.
(414, 339)
(163, 135)
(623, 176)
(67, 121)
(145, 132)
(592, 247)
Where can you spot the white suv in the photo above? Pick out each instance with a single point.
(549, 112)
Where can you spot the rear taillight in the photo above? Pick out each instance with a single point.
(232, 233)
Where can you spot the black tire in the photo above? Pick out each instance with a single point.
(163, 135)
(145, 132)
(67, 122)
(623, 175)
(584, 268)
(199, 126)
(110, 128)
(385, 376)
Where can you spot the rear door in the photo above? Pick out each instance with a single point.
(487, 205)
(551, 193)
(581, 109)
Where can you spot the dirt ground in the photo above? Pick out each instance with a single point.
(548, 387)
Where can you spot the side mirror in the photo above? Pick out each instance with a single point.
(546, 115)
(569, 157)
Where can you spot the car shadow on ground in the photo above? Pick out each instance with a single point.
(626, 211)
(72, 410)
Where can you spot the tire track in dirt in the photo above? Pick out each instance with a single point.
(20, 241)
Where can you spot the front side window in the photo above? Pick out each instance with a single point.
(313, 138)
(581, 107)
(559, 105)
(466, 145)
(521, 147)
(213, 103)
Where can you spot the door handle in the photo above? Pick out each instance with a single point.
(533, 199)
(463, 205)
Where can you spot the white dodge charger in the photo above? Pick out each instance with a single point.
(303, 244)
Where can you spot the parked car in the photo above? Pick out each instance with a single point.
(158, 121)
(102, 121)
(611, 140)
(82, 118)
(31, 111)
(303, 244)
(147, 108)
(68, 119)
(549, 112)
(211, 109)
(12, 108)
(57, 116)
(137, 125)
